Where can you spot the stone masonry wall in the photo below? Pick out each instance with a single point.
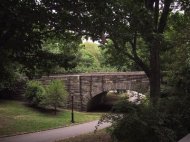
(85, 86)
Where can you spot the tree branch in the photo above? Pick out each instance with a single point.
(156, 14)
(164, 16)
(134, 55)
(136, 58)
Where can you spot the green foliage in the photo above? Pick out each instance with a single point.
(91, 59)
(67, 51)
(35, 93)
(124, 106)
(118, 58)
(74, 57)
(90, 55)
(56, 94)
(22, 35)
(136, 29)
(177, 57)
(167, 122)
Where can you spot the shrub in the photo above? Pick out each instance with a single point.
(35, 93)
(169, 121)
(178, 110)
(144, 125)
(56, 94)
(124, 106)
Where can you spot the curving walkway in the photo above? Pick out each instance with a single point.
(56, 134)
(185, 139)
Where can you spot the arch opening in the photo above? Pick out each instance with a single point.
(104, 101)
(97, 102)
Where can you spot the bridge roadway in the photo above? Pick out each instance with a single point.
(85, 86)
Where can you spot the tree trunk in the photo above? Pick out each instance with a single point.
(155, 71)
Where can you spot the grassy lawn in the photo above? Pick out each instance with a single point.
(16, 118)
(100, 136)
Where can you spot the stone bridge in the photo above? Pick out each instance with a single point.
(87, 86)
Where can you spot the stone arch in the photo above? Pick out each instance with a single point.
(86, 86)
(104, 101)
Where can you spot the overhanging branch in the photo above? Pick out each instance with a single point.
(136, 58)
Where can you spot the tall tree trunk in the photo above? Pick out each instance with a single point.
(155, 71)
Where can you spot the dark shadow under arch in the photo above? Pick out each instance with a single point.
(97, 102)
(104, 101)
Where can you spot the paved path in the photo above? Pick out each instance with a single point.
(55, 134)
(185, 139)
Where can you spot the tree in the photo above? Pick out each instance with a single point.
(127, 21)
(90, 59)
(24, 27)
(177, 57)
(118, 59)
(56, 94)
(64, 53)
(17, 35)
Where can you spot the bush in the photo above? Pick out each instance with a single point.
(124, 106)
(145, 125)
(56, 94)
(169, 121)
(178, 110)
(35, 93)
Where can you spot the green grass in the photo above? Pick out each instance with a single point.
(100, 136)
(17, 118)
